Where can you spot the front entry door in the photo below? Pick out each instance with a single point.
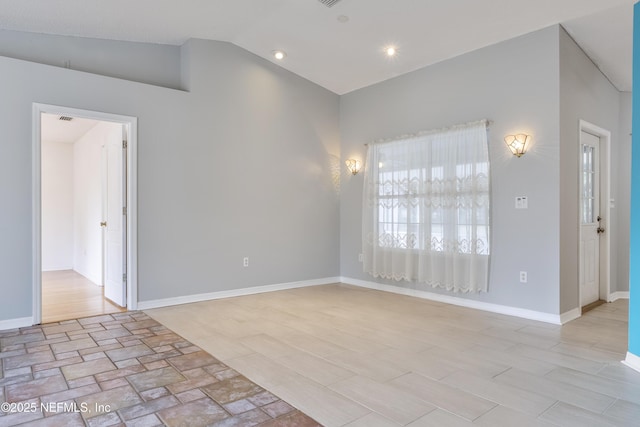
(590, 219)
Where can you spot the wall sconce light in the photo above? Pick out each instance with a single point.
(353, 165)
(517, 143)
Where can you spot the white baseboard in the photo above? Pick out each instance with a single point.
(570, 315)
(618, 295)
(556, 319)
(44, 269)
(16, 323)
(146, 305)
(632, 361)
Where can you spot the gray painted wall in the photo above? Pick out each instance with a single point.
(236, 167)
(515, 84)
(141, 62)
(247, 163)
(586, 94)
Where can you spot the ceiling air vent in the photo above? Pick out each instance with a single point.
(65, 118)
(328, 3)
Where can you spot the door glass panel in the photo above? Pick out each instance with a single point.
(588, 185)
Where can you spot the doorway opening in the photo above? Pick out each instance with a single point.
(594, 209)
(84, 199)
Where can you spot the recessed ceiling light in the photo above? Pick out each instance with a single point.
(343, 19)
(390, 50)
(279, 54)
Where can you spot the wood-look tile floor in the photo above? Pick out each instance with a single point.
(348, 356)
(126, 369)
(68, 295)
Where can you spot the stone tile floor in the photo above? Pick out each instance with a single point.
(125, 369)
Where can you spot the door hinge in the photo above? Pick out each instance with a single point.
(124, 210)
(124, 277)
(124, 144)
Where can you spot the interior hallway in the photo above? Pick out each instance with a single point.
(68, 295)
(348, 356)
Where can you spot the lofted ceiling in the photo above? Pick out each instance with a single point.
(341, 47)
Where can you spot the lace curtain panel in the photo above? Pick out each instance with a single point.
(426, 206)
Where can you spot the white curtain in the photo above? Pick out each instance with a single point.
(426, 208)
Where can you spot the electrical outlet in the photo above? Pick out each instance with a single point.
(245, 261)
(523, 277)
(360, 258)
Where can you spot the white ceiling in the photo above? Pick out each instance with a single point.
(53, 129)
(341, 56)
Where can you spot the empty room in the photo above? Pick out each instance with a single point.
(313, 212)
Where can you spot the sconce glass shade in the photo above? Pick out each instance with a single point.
(353, 165)
(517, 143)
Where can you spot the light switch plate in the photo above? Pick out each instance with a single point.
(522, 202)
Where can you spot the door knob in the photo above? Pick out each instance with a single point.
(600, 230)
(104, 224)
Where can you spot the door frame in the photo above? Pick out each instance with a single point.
(131, 125)
(605, 206)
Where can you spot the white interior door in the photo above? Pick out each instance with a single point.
(114, 223)
(589, 274)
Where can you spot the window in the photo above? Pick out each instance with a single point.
(426, 208)
(588, 184)
(402, 224)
